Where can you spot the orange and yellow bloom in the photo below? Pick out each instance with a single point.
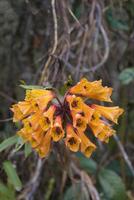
(46, 120)
(57, 131)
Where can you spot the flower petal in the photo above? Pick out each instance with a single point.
(57, 131)
(46, 121)
(93, 90)
(37, 93)
(43, 101)
(34, 120)
(44, 147)
(87, 147)
(111, 113)
(101, 130)
(17, 114)
(75, 103)
(79, 122)
(72, 140)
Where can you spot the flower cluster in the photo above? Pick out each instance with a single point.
(45, 120)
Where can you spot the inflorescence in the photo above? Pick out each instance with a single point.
(45, 120)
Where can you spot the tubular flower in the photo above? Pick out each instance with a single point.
(97, 126)
(37, 137)
(37, 93)
(57, 131)
(111, 113)
(34, 120)
(44, 147)
(87, 147)
(87, 112)
(72, 139)
(79, 121)
(101, 130)
(75, 103)
(93, 90)
(21, 110)
(45, 120)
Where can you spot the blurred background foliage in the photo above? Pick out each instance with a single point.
(95, 40)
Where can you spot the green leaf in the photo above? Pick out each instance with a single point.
(88, 164)
(19, 144)
(8, 142)
(6, 192)
(27, 149)
(31, 87)
(13, 178)
(3, 189)
(112, 185)
(76, 192)
(127, 76)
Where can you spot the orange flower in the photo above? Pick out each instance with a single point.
(21, 110)
(43, 101)
(99, 92)
(26, 131)
(44, 147)
(39, 97)
(25, 134)
(37, 93)
(75, 103)
(37, 137)
(97, 126)
(106, 133)
(72, 140)
(34, 120)
(57, 131)
(87, 147)
(30, 135)
(93, 90)
(25, 107)
(79, 121)
(42, 118)
(101, 130)
(87, 112)
(46, 120)
(18, 115)
(111, 113)
(81, 88)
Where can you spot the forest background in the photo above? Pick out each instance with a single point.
(54, 43)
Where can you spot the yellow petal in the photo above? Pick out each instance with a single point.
(87, 147)
(37, 137)
(21, 110)
(79, 122)
(80, 88)
(72, 140)
(44, 148)
(25, 107)
(34, 120)
(93, 90)
(111, 113)
(17, 114)
(96, 125)
(36, 93)
(87, 112)
(105, 133)
(46, 121)
(75, 103)
(25, 134)
(101, 130)
(57, 131)
(43, 101)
